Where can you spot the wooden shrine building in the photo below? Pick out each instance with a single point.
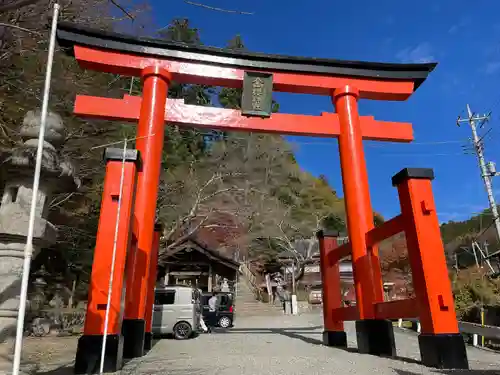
(193, 263)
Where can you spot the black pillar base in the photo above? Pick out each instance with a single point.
(444, 351)
(335, 338)
(376, 336)
(133, 337)
(148, 341)
(88, 354)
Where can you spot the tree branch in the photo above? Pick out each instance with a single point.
(210, 196)
(220, 226)
(17, 5)
(55, 204)
(185, 237)
(20, 28)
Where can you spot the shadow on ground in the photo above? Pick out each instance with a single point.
(451, 372)
(66, 369)
(298, 332)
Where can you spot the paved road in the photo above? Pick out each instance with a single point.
(291, 346)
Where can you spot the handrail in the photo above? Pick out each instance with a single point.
(475, 329)
(251, 278)
(478, 329)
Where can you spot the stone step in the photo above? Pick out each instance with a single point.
(247, 305)
(245, 312)
(257, 306)
(254, 309)
(258, 313)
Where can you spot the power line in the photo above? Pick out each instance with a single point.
(483, 232)
(372, 145)
(333, 143)
(416, 154)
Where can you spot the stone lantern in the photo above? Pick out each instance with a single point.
(17, 170)
(37, 297)
(57, 303)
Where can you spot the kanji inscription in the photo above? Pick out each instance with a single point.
(257, 94)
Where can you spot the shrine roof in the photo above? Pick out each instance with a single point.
(198, 245)
(70, 34)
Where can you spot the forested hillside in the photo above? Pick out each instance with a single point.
(242, 192)
(23, 55)
(477, 224)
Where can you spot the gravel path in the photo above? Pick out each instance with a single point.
(288, 345)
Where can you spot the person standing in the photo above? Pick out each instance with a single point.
(212, 312)
(199, 301)
(203, 325)
(279, 292)
(286, 300)
(224, 286)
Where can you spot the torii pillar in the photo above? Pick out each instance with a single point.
(150, 139)
(370, 331)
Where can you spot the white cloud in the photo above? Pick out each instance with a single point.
(422, 53)
(460, 212)
(492, 67)
(470, 209)
(445, 217)
(454, 28)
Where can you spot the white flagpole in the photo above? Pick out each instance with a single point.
(113, 258)
(28, 250)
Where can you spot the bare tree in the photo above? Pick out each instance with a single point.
(190, 200)
(248, 182)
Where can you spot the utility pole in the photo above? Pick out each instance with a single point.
(486, 173)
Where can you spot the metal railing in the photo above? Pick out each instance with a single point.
(474, 329)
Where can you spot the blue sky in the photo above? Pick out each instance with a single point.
(463, 39)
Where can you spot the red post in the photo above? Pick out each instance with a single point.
(333, 333)
(90, 344)
(441, 344)
(374, 336)
(153, 271)
(150, 139)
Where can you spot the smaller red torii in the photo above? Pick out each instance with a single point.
(433, 303)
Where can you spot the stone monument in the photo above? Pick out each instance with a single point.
(17, 170)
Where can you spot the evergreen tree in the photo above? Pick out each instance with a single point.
(180, 31)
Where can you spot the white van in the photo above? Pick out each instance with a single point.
(176, 311)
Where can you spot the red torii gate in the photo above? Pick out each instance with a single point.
(158, 63)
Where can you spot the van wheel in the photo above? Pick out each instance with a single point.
(225, 322)
(182, 331)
